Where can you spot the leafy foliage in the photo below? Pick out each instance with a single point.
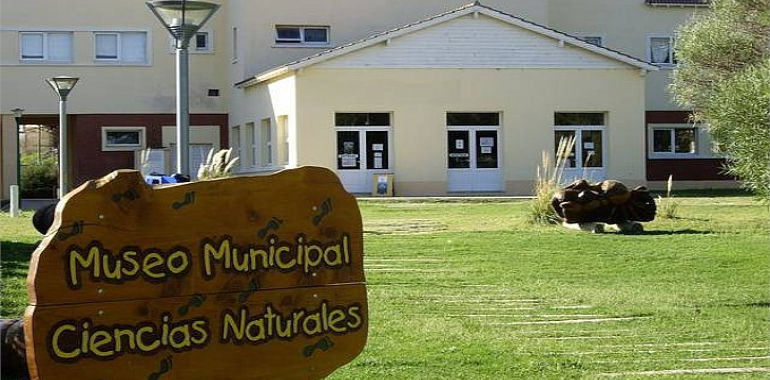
(724, 76)
(39, 177)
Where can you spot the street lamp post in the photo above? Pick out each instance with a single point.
(182, 19)
(62, 85)
(17, 113)
(16, 189)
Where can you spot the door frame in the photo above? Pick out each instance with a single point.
(473, 170)
(592, 174)
(360, 180)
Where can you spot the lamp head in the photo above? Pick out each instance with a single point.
(17, 112)
(182, 18)
(62, 85)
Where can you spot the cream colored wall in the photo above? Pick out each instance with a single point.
(8, 154)
(624, 26)
(199, 134)
(106, 88)
(277, 98)
(420, 98)
(349, 20)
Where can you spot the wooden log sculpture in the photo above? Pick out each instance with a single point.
(604, 202)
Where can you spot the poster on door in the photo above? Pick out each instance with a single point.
(349, 160)
(487, 142)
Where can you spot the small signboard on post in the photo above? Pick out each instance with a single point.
(239, 278)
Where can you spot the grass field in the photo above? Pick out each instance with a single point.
(470, 290)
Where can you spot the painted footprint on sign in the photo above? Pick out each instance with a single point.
(165, 366)
(195, 301)
(326, 208)
(324, 345)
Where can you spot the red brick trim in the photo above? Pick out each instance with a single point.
(87, 159)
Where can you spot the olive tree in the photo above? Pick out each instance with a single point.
(724, 77)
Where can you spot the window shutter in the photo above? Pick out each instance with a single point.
(60, 47)
(133, 46)
(660, 50)
(32, 46)
(106, 46)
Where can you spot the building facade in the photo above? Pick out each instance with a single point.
(453, 97)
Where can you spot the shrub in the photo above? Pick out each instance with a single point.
(39, 176)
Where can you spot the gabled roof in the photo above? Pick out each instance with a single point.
(476, 7)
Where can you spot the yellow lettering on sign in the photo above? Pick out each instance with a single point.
(241, 327)
(99, 339)
(55, 342)
(305, 256)
(76, 258)
(237, 328)
(128, 256)
(140, 342)
(151, 261)
(210, 252)
(116, 269)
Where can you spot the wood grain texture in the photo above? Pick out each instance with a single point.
(122, 255)
(273, 358)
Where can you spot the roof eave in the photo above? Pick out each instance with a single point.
(465, 10)
(263, 77)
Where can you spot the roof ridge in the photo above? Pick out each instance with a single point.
(475, 4)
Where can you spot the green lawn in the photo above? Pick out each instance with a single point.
(470, 290)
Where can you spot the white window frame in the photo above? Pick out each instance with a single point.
(209, 48)
(672, 153)
(266, 142)
(119, 60)
(234, 58)
(300, 41)
(252, 136)
(671, 52)
(21, 46)
(282, 137)
(235, 144)
(192, 48)
(45, 57)
(106, 147)
(117, 52)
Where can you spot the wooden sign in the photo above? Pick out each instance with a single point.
(239, 278)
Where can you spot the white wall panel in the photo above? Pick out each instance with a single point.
(469, 42)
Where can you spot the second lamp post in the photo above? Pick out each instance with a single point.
(62, 85)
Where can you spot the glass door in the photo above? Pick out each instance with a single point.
(487, 176)
(361, 153)
(473, 160)
(377, 150)
(348, 150)
(586, 160)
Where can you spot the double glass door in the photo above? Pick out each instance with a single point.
(473, 159)
(586, 160)
(361, 153)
